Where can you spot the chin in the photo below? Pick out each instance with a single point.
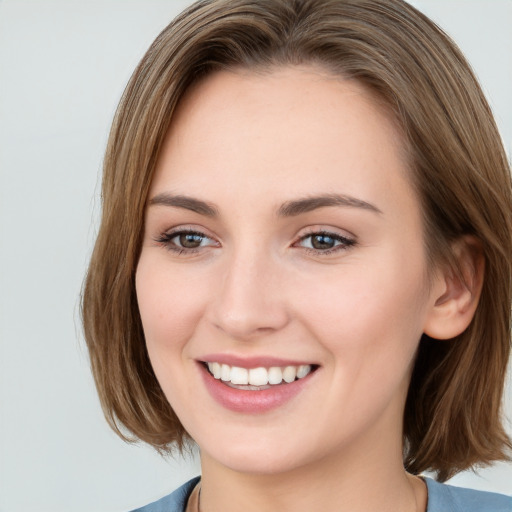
(257, 464)
(261, 455)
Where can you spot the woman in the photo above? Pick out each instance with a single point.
(304, 259)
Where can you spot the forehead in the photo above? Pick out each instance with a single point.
(298, 126)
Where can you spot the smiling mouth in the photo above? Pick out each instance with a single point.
(258, 379)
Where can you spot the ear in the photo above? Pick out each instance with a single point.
(455, 295)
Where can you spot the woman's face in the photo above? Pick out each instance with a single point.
(283, 240)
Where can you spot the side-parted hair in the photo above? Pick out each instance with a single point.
(453, 417)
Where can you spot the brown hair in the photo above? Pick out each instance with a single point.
(458, 166)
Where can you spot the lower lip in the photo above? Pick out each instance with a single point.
(244, 401)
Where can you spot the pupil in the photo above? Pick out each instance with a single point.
(323, 242)
(190, 240)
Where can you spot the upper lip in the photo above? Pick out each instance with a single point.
(251, 362)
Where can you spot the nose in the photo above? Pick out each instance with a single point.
(250, 301)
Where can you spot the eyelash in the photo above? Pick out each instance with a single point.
(344, 242)
(166, 239)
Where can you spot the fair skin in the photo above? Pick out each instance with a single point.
(247, 271)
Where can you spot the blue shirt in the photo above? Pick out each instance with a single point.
(441, 498)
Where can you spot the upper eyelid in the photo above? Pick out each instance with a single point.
(344, 240)
(187, 228)
(172, 233)
(337, 232)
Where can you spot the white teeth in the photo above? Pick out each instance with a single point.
(225, 372)
(303, 370)
(289, 374)
(239, 375)
(258, 376)
(275, 375)
(216, 370)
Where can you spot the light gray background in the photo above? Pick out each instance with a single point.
(63, 66)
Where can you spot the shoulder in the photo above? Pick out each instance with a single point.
(447, 498)
(174, 502)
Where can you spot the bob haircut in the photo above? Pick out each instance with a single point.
(453, 418)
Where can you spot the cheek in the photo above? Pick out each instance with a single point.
(365, 311)
(370, 324)
(170, 305)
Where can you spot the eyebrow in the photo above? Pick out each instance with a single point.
(297, 207)
(186, 202)
(287, 209)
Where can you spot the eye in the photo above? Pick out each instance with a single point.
(185, 240)
(324, 242)
(189, 240)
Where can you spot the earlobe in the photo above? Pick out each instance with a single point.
(456, 292)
